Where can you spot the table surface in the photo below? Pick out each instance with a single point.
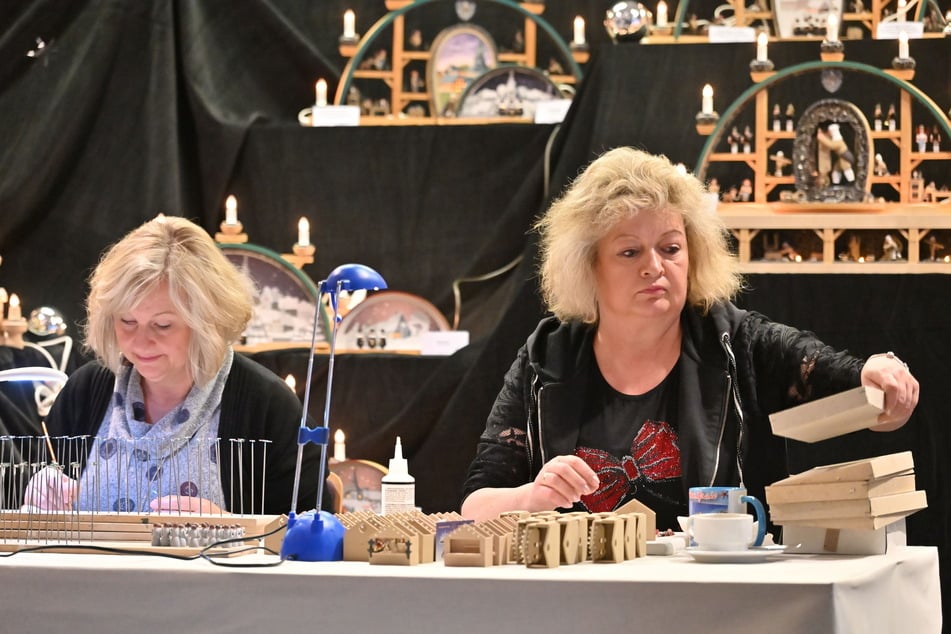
(52, 592)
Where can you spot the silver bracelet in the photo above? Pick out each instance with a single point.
(892, 355)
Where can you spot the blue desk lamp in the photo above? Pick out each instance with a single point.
(317, 535)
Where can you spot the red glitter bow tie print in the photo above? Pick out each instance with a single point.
(654, 457)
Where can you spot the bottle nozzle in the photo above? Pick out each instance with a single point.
(398, 464)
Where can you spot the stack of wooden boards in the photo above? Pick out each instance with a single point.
(862, 494)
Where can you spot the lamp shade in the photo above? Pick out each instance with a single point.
(352, 277)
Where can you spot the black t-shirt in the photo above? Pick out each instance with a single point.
(631, 442)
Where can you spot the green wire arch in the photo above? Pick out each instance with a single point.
(800, 69)
(277, 258)
(367, 40)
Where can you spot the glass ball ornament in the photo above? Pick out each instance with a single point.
(627, 21)
(45, 321)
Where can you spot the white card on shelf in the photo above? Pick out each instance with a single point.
(890, 30)
(334, 116)
(719, 34)
(552, 110)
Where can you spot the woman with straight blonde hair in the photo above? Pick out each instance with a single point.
(647, 380)
(176, 420)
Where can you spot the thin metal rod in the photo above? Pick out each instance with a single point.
(334, 300)
(306, 405)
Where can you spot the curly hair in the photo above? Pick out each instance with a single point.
(620, 184)
(212, 296)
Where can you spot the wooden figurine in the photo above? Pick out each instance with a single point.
(880, 168)
(921, 138)
(891, 248)
(780, 162)
(746, 190)
(933, 247)
(415, 41)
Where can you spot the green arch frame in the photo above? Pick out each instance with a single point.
(295, 272)
(801, 69)
(367, 40)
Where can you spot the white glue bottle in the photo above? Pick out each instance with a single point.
(398, 486)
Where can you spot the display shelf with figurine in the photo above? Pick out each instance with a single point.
(805, 197)
(859, 19)
(403, 58)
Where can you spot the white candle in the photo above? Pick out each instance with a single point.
(707, 104)
(902, 10)
(14, 312)
(661, 13)
(291, 382)
(321, 93)
(340, 447)
(231, 211)
(579, 31)
(902, 45)
(832, 28)
(349, 24)
(761, 42)
(303, 233)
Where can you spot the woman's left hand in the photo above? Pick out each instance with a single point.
(891, 375)
(186, 504)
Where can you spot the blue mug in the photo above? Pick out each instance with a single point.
(727, 500)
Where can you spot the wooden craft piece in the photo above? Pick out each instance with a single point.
(468, 545)
(607, 540)
(540, 544)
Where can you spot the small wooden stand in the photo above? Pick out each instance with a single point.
(706, 122)
(832, 51)
(231, 234)
(302, 255)
(902, 68)
(347, 46)
(13, 330)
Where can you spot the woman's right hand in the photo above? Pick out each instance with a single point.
(560, 483)
(50, 490)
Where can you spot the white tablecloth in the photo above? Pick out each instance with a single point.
(78, 593)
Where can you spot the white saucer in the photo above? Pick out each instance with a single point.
(751, 555)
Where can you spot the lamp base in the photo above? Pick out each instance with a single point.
(313, 536)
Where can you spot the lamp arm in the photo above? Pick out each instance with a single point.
(306, 405)
(334, 297)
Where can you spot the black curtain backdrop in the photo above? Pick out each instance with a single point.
(136, 108)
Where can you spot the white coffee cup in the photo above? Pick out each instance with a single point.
(722, 531)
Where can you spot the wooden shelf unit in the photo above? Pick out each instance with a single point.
(868, 18)
(913, 219)
(400, 57)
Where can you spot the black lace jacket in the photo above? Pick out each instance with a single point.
(736, 368)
